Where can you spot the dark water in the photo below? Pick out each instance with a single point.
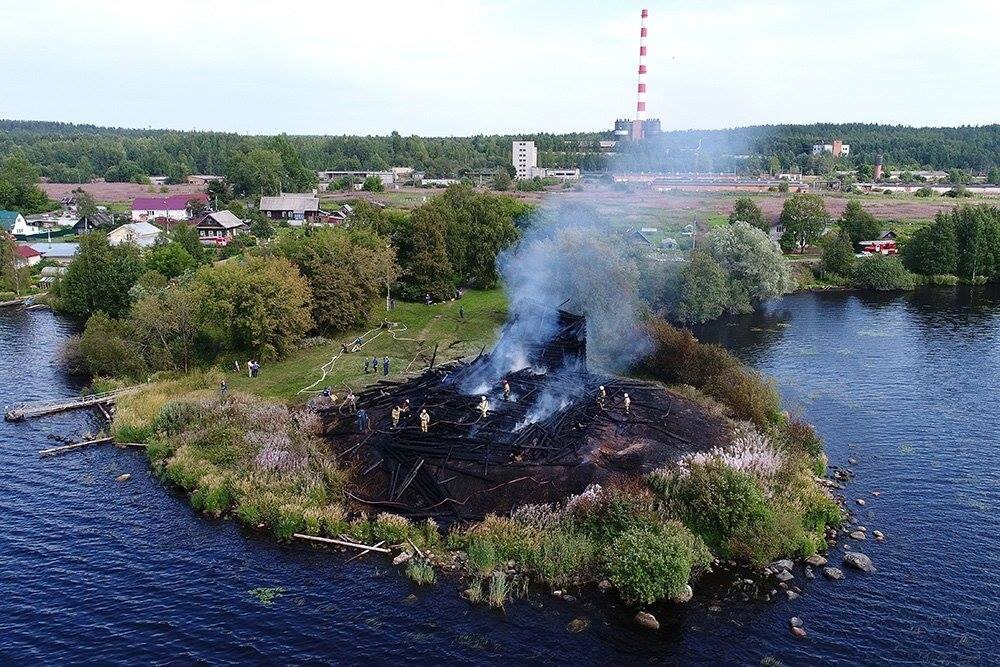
(96, 571)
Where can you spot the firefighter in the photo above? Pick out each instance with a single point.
(352, 401)
(484, 406)
(627, 402)
(601, 396)
(425, 420)
(506, 390)
(396, 412)
(363, 423)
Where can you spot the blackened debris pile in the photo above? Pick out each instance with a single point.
(550, 436)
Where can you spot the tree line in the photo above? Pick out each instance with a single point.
(76, 153)
(173, 306)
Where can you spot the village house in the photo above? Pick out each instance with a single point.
(88, 223)
(219, 227)
(173, 207)
(142, 234)
(14, 223)
(60, 253)
(26, 256)
(290, 207)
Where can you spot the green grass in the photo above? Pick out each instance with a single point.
(412, 346)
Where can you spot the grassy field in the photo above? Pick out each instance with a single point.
(409, 346)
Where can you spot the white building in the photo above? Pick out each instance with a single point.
(173, 207)
(140, 233)
(838, 148)
(14, 223)
(524, 157)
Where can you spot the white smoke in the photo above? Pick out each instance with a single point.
(568, 259)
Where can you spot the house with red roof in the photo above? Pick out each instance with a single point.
(173, 207)
(27, 256)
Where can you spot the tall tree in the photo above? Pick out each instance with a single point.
(859, 224)
(258, 306)
(805, 217)
(746, 210)
(100, 277)
(933, 250)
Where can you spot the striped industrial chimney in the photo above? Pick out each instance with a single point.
(638, 125)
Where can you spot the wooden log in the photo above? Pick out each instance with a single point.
(341, 543)
(366, 551)
(52, 451)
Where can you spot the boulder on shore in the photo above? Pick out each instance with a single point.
(684, 596)
(647, 620)
(782, 565)
(816, 560)
(859, 561)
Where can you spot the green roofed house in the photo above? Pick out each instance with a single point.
(14, 223)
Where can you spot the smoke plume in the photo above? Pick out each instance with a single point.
(567, 259)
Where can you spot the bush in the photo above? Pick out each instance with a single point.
(420, 571)
(563, 555)
(648, 564)
(924, 192)
(496, 540)
(882, 272)
(212, 495)
(605, 515)
(678, 358)
(728, 510)
(391, 528)
(801, 436)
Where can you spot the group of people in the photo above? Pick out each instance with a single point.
(373, 364)
(253, 368)
(602, 397)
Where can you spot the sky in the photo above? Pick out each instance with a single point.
(463, 68)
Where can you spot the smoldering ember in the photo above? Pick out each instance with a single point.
(552, 431)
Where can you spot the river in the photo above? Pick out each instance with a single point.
(97, 571)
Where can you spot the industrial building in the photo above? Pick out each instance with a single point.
(524, 157)
(837, 147)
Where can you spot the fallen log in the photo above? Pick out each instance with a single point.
(366, 551)
(342, 543)
(53, 451)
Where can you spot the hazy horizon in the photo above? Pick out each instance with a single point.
(469, 68)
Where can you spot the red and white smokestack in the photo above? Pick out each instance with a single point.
(640, 105)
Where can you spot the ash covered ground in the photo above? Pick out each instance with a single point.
(551, 437)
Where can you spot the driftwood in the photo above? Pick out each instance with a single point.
(342, 543)
(53, 451)
(363, 553)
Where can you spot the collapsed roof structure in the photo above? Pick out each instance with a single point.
(550, 437)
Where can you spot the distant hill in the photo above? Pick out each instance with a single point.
(66, 152)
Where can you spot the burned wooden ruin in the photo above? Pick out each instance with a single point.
(553, 435)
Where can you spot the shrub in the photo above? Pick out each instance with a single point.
(647, 564)
(727, 509)
(924, 192)
(289, 520)
(391, 528)
(499, 589)
(212, 495)
(801, 436)
(331, 520)
(420, 571)
(746, 392)
(496, 540)
(562, 555)
(611, 511)
(882, 272)
(678, 358)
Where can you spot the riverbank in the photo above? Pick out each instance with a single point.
(648, 536)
